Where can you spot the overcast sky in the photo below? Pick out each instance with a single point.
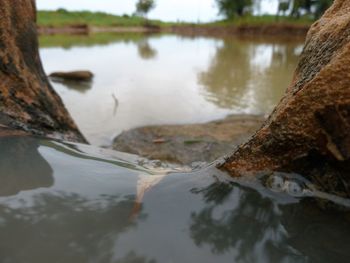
(167, 10)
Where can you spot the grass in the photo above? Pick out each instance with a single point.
(61, 18)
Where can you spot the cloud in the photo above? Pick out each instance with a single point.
(167, 10)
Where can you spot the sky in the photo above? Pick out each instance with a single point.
(166, 10)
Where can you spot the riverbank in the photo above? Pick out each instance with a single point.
(283, 30)
(64, 22)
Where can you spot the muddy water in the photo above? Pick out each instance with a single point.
(73, 203)
(163, 79)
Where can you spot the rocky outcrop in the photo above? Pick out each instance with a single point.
(309, 131)
(186, 144)
(27, 100)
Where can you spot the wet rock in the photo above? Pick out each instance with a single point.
(79, 86)
(7, 132)
(186, 144)
(308, 132)
(81, 75)
(27, 100)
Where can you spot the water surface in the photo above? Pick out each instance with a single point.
(72, 203)
(165, 79)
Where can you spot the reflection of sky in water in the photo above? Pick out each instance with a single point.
(262, 56)
(158, 81)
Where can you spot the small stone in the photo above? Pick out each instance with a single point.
(82, 75)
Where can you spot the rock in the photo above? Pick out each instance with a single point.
(7, 132)
(308, 132)
(27, 100)
(79, 86)
(81, 75)
(185, 144)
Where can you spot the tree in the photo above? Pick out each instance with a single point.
(321, 6)
(144, 6)
(283, 7)
(233, 8)
(299, 7)
(315, 7)
(27, 100)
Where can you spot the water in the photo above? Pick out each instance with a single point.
(164, 79)
(72, 203)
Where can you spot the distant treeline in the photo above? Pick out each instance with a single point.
(293, 8)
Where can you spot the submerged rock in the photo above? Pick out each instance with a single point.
(81, 75)
(185, 144)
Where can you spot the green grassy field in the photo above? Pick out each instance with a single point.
(61, 18)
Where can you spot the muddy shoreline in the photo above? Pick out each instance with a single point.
(283, 30)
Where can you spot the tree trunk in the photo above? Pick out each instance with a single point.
(309, 130)
(27, 100)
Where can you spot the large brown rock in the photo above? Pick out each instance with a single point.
(189, 143)
(27, 100)
(309, 131)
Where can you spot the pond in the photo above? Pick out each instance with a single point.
(74, 203)
(166, 79)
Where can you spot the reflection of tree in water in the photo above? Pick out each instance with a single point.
(252, 228)
(259, 230)
(21, 166)
(278, 75)
(228, 74)
(67, 227)
(234, 72)
(146, 51)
